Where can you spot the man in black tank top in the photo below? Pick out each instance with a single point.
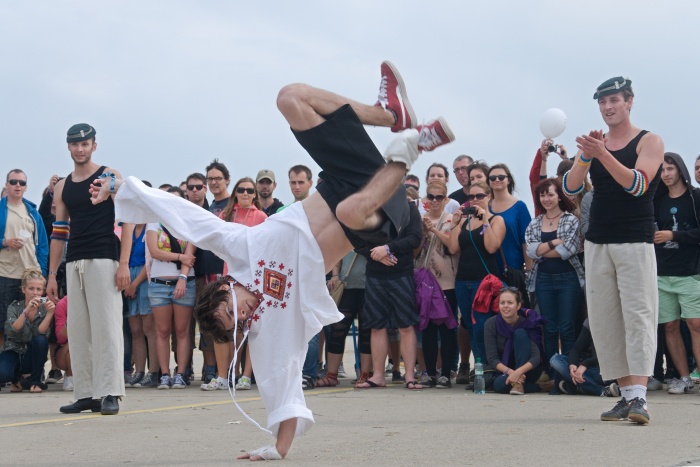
(621, 288)
(95, 304)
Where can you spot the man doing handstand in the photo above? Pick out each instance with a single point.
(280, 264)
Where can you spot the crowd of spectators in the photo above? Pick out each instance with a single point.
(531, 335)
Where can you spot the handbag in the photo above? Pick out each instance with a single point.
(486, 296)
(515, 278)
(337, 291)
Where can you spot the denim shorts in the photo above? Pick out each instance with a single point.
(139, 305)
(162, 295)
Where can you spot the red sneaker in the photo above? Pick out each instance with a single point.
(434, 134)
(392, 97)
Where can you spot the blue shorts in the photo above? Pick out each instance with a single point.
(162, 295)
(139, 305)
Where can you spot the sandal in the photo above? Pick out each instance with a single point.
(36, 389)
(412, 386)
(364, 376)
(16, 387)
(330, 380)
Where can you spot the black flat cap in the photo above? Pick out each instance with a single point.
(80, 132)
(612, 86)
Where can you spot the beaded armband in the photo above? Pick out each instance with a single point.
(566, 190)
(640, 184)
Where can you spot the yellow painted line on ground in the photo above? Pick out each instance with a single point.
(72, 418)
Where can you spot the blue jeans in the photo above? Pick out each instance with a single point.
(466, 290)
(558, 296)
(593, 382)
(311, 362)
(521, 351)
(12, 364)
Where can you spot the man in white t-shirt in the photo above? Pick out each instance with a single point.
(279, 265)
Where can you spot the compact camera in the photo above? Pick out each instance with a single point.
(42, 300)
(552, 148)
(469, 210)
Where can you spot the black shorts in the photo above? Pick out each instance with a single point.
(390, 303)
(349, 159)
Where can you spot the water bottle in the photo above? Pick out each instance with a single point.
(479, 383)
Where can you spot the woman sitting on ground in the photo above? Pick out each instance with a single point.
(513, 339)
(579, 373)
(26, 344)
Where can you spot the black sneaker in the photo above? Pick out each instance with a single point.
(81, 405)
(617, 413)
(430, 382)
(397, 377)
(638, 411)
(55, 376)
(135, 380)
(444, 382)
(110, 405)
(463, 374)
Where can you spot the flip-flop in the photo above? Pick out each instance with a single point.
(413, 386)
(370, 385)
(35, 389)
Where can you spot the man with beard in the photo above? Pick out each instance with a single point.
(266, 184)
(95, 308)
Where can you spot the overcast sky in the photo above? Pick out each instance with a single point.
(170, 85)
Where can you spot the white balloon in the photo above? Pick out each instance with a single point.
(553, 123)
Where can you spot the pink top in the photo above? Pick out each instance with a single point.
(60, 316)
(249, 217)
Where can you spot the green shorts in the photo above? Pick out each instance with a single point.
(679, 297)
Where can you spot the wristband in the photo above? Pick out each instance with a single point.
(183, 277)
(53, 273)
(60, 231)
(566, 190)
(111, 182)
(584, 160)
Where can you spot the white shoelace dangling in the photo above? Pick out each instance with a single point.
(428, 138)
(231, 368)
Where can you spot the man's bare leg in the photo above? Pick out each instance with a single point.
(380, 348)
(303, 107)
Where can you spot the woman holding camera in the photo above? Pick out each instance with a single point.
(26, 346)
(476, 236)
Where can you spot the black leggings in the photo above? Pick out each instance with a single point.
(351, 306)
(447, 342)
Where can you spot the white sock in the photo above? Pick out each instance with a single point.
(626, 392)
(638, 390)
(222, 380)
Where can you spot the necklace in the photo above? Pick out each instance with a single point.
(551, 219)
(235, 215)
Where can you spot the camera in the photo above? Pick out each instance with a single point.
(42, 300)
(552, 148)
(470, 210)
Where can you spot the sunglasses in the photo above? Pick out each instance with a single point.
(195, 187)
(241, 190)
(460, 169)
(478, 196)
(215, 179)
(514, 290)
(493, 178)
(15, 182)
(437, 198)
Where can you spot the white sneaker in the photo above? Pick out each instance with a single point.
(213, 385)
(67, 383)
(341, 372)
(389, 369)
(243, 383)
(680, 386)
(654, 384)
